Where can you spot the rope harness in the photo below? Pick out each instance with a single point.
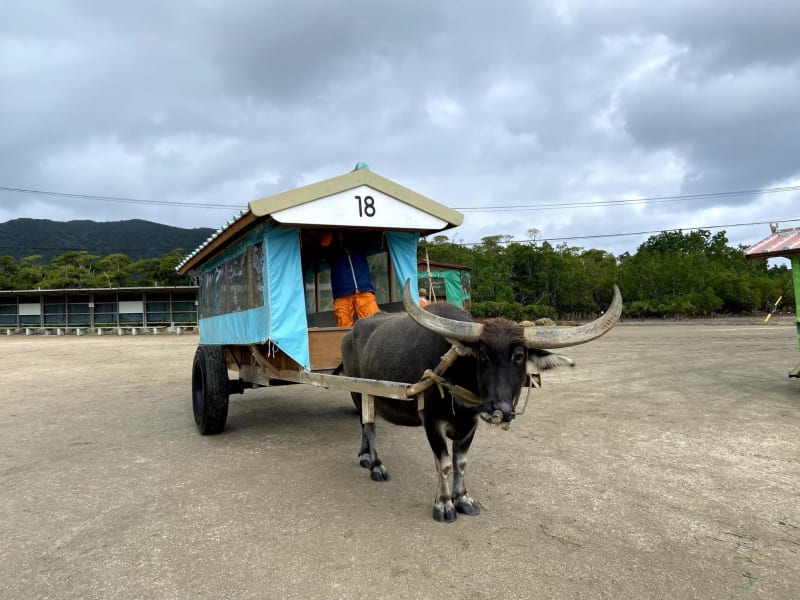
(435, 377)
(462, 394)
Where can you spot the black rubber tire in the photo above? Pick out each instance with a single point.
(210, 389)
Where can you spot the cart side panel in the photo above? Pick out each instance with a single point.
(325, 347)
(231, 295)
(253, 292)
(245, 327)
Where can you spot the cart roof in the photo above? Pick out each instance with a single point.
(360, 199)
(782, 242)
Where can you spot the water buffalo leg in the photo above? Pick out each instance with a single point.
(368, 453)
(462, 500)
(444, 510)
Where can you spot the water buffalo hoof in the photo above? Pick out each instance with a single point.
(365, 461)
(444, 512)
(379, 473)
(467, 506)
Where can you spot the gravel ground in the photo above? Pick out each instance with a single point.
(665, 465)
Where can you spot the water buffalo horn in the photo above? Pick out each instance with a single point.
(561, 337)
(463, 331)
(535, 337)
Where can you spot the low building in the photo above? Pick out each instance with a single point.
(99, 307)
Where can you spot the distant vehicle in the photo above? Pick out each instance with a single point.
(784, 243)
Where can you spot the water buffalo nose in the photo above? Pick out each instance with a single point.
(501, 417)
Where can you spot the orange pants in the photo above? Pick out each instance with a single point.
(362, 304)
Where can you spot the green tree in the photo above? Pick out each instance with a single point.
(524, 261)
(155, 271)
(163, 270)
(602, 272)
(492, 279)
(8, 272)
(70, 270)
(112, 270)
(31, 273)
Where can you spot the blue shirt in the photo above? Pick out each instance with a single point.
(350, 274)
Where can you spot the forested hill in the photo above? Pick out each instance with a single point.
(136, 238)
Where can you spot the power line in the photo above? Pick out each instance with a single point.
(501, 208)
(655, 231)
(521, 207)
(124, 200)
(652, 200)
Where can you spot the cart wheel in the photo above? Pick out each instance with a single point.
(210, 389)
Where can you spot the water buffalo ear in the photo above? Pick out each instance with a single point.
(542, 360)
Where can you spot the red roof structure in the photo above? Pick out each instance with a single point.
(782, 242)
(436, 265)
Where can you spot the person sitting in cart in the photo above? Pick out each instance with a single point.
(351, 281)
(423, 297)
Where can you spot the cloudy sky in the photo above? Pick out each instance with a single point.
(551, 115)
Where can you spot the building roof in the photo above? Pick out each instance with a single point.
(782, 242)
(98, 291)
(358, 199)
(437, 265)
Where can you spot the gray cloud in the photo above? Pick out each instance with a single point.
(552, 102)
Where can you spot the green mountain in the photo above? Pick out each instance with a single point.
(136, 238)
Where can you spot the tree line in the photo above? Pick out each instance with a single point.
(80, 269)
(671, 275)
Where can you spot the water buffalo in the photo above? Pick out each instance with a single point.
(491, 364)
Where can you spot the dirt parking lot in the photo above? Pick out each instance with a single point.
(665, 465)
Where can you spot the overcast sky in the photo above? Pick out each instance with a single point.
(563, 109)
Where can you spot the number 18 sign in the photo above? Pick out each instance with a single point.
(362, 206)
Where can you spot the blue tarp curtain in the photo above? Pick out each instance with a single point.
(283, 294)
(403, 250)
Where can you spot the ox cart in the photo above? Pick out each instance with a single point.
(266, 286)
(265, 302)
